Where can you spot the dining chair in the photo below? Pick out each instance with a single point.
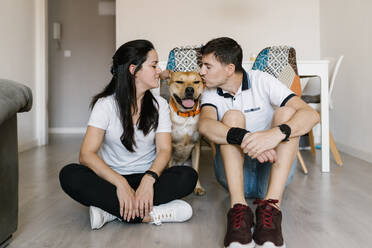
(280, 62)
(314, 102)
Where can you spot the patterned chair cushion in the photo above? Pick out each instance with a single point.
(280, 62)
(184, 59)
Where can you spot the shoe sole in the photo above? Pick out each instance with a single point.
(269, 245)
(239, 245)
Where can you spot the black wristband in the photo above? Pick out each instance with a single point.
(235, 135)
(153, 174)
(286, 130)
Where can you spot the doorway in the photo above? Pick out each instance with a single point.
(81, 42)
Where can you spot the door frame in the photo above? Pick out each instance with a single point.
(41, 71)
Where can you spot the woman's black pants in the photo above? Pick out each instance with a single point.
(86, 187)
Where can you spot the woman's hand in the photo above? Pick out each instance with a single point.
(145, 196)
(126, 198)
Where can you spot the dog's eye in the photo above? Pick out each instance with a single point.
(196, 82)
(179, 82)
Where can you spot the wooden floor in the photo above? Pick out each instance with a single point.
(319, 210)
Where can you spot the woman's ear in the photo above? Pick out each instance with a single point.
(132, 68)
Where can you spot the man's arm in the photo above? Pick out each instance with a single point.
(301, 122)
(304, 119)
(216, 131)
(210, 127)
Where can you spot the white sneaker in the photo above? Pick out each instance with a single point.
(174, 211)
(98, 217)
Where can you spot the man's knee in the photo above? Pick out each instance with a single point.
(282, 115)
(234, 118)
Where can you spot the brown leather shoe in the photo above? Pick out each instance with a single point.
(239, 224)
(268, 229)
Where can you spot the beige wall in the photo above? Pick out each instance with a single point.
(254, 24)
(74, 80)
(346, 29)
(17, 58)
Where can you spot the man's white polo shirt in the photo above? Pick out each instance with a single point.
(256, 98)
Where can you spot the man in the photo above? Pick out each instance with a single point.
(256, 144)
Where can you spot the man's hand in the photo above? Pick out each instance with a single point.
(165, 75)
(145, 196)
(269, 155)
(260, 144)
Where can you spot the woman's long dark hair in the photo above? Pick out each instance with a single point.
(123, 87)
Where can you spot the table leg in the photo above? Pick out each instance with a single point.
(325, 118)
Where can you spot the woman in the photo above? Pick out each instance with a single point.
(126, 147)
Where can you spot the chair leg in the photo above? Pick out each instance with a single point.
(311, 141)
(334, 150)
(302, 162)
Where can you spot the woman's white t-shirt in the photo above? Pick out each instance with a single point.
(105, 115)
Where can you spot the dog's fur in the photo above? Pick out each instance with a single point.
(185, 87)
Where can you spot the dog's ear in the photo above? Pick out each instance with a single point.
(166, 75)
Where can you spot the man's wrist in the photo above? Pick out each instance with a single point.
(286, 131)
(235, 135)
(280, 135)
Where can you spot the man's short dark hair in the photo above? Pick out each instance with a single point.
(226, 50)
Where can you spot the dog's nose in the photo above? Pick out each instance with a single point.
(189, 91)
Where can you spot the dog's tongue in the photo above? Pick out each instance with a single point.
(188, 103)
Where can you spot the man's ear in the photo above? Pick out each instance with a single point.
(166, 75)
(132, 68)
(171, 75)
(230, 69)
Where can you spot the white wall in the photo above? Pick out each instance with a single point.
(17, 58)
(254, 24)
(346, 29)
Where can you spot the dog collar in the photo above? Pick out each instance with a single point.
(185, 114)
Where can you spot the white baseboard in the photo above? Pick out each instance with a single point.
(366, 156)
(28, 145)
(69, 130)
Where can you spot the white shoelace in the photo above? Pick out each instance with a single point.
(107, 216)
(159, 216)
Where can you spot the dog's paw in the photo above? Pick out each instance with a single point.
(199, 191)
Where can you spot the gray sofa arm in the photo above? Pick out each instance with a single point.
(14, 98)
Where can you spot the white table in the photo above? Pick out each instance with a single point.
(310, 68)
(320, 68)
